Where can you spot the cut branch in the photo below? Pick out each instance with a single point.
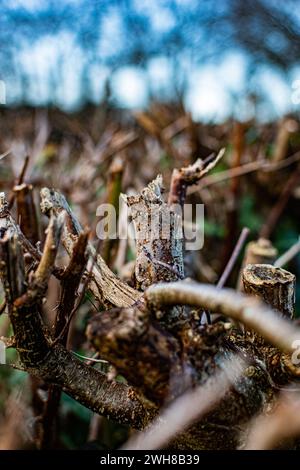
(105, 286)
(158, 235)
(188, 176)
(55, 364)
(259, 251)
(7, 223)
(275, 286)
(46, 264)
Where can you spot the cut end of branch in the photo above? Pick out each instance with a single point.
(267, 274)
(151, 194)
(51, 199)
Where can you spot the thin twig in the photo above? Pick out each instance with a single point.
(251, 167)
(90, 359)
(3, 155)
(229, 266)
(288, 255)
(238, 247)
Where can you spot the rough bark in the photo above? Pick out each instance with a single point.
(69, 285)
(159, 243)
(158, 234)
(160, 362)
(92, 389)
(276, 287)
(147, 355)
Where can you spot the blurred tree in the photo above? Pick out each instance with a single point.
(115, 33)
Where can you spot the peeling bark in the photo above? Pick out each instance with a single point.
(158, 237)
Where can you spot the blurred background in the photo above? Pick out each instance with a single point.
(103, 95)
(222, 58)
